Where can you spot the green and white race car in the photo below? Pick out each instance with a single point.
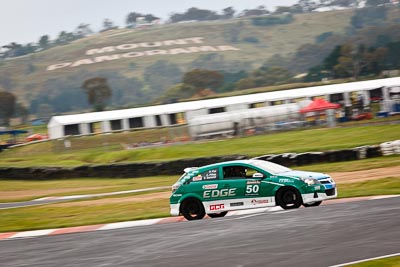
(244, 184)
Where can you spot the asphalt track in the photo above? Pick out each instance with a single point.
(318, 236)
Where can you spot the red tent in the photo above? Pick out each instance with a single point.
(319, 104)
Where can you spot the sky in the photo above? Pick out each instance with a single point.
(25, 21)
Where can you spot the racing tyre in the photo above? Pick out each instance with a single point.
(193, 209)
(289, 198)
(313, 204)
(217, 215)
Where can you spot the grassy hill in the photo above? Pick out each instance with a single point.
(134, 81)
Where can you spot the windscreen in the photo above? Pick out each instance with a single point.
(270, 167)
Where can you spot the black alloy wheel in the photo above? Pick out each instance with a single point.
(192, 209)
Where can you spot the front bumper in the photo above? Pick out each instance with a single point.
(174, 209)
(314, 197)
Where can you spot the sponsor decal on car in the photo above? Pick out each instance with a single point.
(210, 175)
(259, 201)
(285, 180)
(231, 192)
(197, 178)
(253, 182)
(177, 195)
(236, 204)
(252, 190)
(210, 186)
(217, 207)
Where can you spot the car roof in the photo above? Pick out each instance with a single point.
(231, 162)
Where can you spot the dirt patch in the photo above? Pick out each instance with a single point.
(364, 175)
(18, 194)
(130, 199)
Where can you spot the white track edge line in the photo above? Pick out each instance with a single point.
(370, 259)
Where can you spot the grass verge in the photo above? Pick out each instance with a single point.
(387, 262)
(323, 139)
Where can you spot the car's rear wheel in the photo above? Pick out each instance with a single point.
(192, 209)
(217, 215)
(312, 204)
(289, 198)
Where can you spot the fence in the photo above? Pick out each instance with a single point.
(225, 126)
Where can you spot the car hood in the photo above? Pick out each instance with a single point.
(305, 174)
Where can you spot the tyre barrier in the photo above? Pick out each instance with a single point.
(127, 170)
(390, 148)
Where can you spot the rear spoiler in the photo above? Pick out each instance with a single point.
(186, 170)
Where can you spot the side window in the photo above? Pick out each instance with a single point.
(206, 176)
(238, 172)
(234, 172)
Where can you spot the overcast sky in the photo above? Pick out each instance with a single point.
(24, 21)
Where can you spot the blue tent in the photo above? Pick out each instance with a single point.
(14, 134)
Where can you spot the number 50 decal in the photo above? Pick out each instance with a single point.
(252, 189)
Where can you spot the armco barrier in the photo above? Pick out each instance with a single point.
(132, 170)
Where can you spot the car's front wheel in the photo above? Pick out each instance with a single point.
(217, 215)
(192, 209)
(312, 204)
(289, 198)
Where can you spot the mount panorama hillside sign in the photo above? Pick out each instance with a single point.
(192, 45)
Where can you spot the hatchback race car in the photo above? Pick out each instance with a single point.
(244, 184)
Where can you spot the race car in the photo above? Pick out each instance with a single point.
(244, 184)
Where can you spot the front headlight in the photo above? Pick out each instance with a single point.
(175, 187)
(310, 181)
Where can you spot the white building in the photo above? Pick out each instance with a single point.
(179, 113)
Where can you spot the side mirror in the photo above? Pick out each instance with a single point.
(258, 175)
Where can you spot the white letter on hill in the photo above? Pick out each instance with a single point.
(154, 44)
(175, 42)
(127, 46)
(196, 40)
(106, 58)
(178, 51)
(58, 66)
(132, 54)
(156, 52)
(226, 48)
(82, 62)
(201, 48)
(100, 50)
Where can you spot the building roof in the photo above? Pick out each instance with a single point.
(222, 102)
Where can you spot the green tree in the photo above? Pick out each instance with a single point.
(131, 18)
(98, 92)
(22, 112)
(83, 30)
(108, 25)
(203, 79)
(44, 42)
(176, 92)
(7, 107)
(160, 76)
(228, 13)
(44, 112)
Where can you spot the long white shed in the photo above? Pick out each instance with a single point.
(179, 113)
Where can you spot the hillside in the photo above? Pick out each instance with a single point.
(138, 74)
